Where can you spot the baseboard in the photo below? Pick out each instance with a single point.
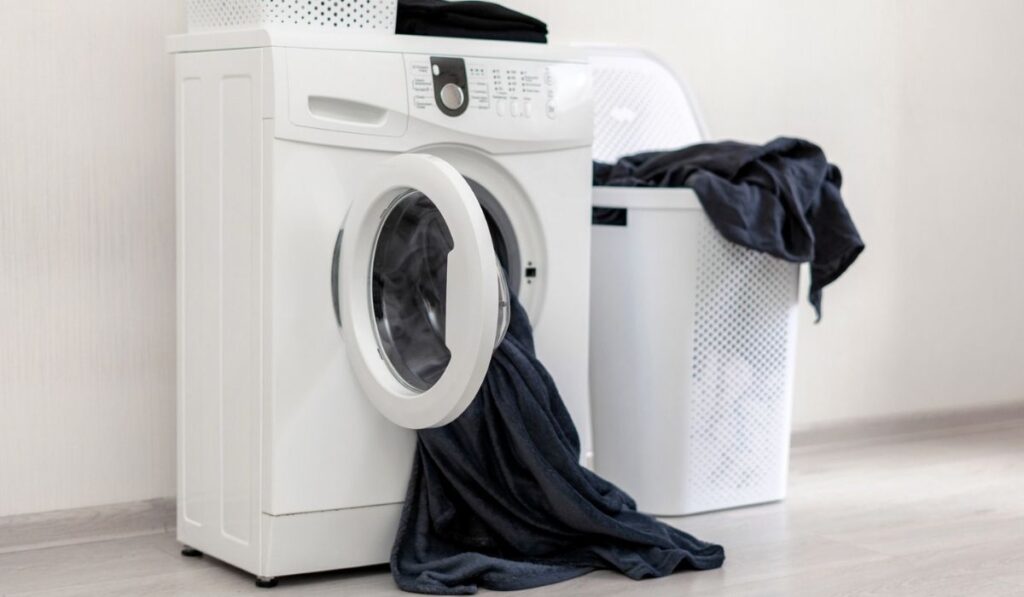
(915, 424)
(86, 525)
(102, 523)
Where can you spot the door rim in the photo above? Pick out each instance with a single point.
(472, 301)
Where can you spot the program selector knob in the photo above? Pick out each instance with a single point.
(452, 96)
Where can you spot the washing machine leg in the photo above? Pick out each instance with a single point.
(191, 552)
(266, 582)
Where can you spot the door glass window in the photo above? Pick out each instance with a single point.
(407, 286)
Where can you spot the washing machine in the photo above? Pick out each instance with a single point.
(353, 215)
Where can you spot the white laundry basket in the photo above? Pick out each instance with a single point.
(364, 16)
(692, 337)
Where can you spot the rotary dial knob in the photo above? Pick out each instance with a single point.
(452, 96)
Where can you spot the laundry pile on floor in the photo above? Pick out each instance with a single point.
(498, 500)
(781, 198)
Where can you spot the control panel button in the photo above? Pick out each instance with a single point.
(499, 107)
(513, 108)
(452, 96)
(527, 108)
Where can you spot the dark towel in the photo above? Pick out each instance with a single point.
(781, 198)
(498, 500)
(477, 20)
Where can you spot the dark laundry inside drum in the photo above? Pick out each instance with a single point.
(409, 285)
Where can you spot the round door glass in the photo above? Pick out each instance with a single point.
(407, 287)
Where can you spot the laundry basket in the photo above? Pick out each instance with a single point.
(364, 16)
(692, 337)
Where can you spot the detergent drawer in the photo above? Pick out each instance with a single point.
(342, 90)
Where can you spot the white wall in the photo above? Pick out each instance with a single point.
(86, 253)
(917, 100)
(921, 103)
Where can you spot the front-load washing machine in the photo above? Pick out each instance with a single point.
(352, 214)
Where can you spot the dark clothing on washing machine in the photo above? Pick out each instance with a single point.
(498, 500)
(476, 20)
(781, 198)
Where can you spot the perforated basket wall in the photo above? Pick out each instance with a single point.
(740, 398)
(734, 448)
(367, 16)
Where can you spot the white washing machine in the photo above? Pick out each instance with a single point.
(345, 207)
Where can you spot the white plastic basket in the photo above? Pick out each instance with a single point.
(692, 337)
(366, 16)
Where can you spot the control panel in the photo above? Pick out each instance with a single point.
(504, 89)
(407, 100)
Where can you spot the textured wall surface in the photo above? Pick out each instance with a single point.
(918, 101)
(86, 253)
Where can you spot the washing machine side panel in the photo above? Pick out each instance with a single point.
(219, 302)
(558, 185)
(327, 446)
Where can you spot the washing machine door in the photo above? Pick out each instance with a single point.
(421, 299)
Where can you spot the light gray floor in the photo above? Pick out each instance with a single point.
(928, 514)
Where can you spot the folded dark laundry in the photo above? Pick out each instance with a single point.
(471, 19)
(782, 198)
(498, 500)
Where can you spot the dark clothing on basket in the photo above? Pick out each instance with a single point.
(498, 500)
(781, 198)
(476, 20)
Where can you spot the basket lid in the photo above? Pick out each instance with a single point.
(639, 104)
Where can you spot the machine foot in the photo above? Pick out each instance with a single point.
(191, 552)
(266, 582)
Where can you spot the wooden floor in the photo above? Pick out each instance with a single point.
(925, 514)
